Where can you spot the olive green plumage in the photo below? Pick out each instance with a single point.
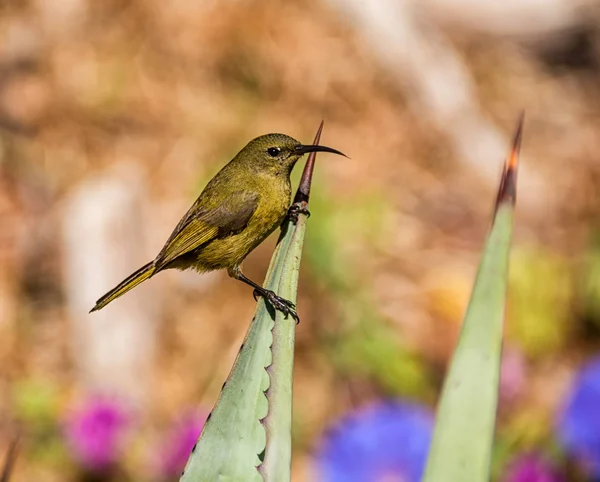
(240, 207)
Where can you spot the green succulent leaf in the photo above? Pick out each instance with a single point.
(278, 422)
(247, 437)
(461, 449)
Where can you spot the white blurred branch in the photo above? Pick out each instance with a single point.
(518, 18)
(103, 234)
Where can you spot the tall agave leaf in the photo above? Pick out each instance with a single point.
(462, 443)
(247, 436)
(278, 422)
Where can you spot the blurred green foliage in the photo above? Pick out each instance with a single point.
(366, 345)
(590, 289)
(35, 402)
(540, 300)
(37, 408)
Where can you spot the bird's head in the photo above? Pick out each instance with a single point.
(277, 153)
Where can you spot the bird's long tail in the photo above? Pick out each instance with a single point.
(124, 286)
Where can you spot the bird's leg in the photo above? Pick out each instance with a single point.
(280, 304)
(297, 209)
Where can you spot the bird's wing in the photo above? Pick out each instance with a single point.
(201, 225)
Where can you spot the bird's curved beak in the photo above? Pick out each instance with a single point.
(304, 149)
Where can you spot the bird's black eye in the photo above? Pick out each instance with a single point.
(273, 151)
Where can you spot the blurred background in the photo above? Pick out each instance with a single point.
(114, 114)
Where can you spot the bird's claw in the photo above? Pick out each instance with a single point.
(280, 304)
(297, 209)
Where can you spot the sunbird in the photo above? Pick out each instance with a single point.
(237, 210)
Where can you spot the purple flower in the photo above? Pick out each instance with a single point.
(95, 433)
(579, 423)
(387, 441)
(179, 443)
(532, 468)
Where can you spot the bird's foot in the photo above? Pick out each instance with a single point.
(297, 209)
(280, 304)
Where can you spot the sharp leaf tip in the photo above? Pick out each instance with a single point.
(507, 192)
(513, 158)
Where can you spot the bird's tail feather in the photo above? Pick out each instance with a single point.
(124, 286)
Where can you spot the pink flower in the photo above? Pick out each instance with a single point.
(95, 433)
(532, 468)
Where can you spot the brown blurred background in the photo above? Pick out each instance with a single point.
(114, 114)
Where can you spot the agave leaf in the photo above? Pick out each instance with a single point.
(247, 437)
(278, 422)
(461, 448)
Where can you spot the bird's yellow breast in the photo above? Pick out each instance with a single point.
(230, 251)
